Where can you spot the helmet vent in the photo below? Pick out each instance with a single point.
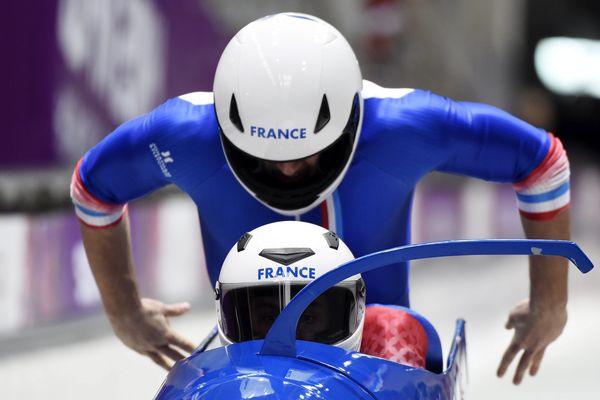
(324, 116)
(243, 242)
(234, 114)
(287, 256)
(332, 240)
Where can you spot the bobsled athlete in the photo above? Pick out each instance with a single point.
(268, 266)
(291, 131)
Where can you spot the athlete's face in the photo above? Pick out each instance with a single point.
(313, 322)
(297, 171)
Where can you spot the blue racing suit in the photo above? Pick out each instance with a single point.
(406, 134)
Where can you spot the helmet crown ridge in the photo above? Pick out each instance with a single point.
(288, 255)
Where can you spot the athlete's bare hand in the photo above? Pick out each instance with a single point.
(534, 331)
(148, 332)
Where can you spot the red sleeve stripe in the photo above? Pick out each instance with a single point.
(544, 216)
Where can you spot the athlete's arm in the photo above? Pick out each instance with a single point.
(541, 319)
(141, 324)
(543, 199)
(124, 166)
(488, 143)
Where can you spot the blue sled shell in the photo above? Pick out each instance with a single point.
(319, 371)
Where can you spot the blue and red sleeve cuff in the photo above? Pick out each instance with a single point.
(546, 191)
(90, 210)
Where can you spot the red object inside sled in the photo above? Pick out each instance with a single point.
(394, 334)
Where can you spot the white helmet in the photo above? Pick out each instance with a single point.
(287, 87)
(270, 265)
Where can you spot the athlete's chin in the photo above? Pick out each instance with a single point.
(302, 178)
(292, 180)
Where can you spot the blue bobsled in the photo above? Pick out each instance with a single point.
(281, 367)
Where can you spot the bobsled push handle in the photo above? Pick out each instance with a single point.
(281, 338)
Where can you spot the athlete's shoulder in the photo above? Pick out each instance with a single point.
(191, 132)
(187, 121)
(387, 100)
(193, 110)
(403, 111)
(401, 126)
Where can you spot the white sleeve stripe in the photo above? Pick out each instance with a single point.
(546, 206)
(98, 220)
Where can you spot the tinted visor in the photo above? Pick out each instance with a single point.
(285, 196)
(247, 313)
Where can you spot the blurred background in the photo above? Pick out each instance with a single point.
(74, 69)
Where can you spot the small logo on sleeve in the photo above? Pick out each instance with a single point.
(162, 159)
(166, 156)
